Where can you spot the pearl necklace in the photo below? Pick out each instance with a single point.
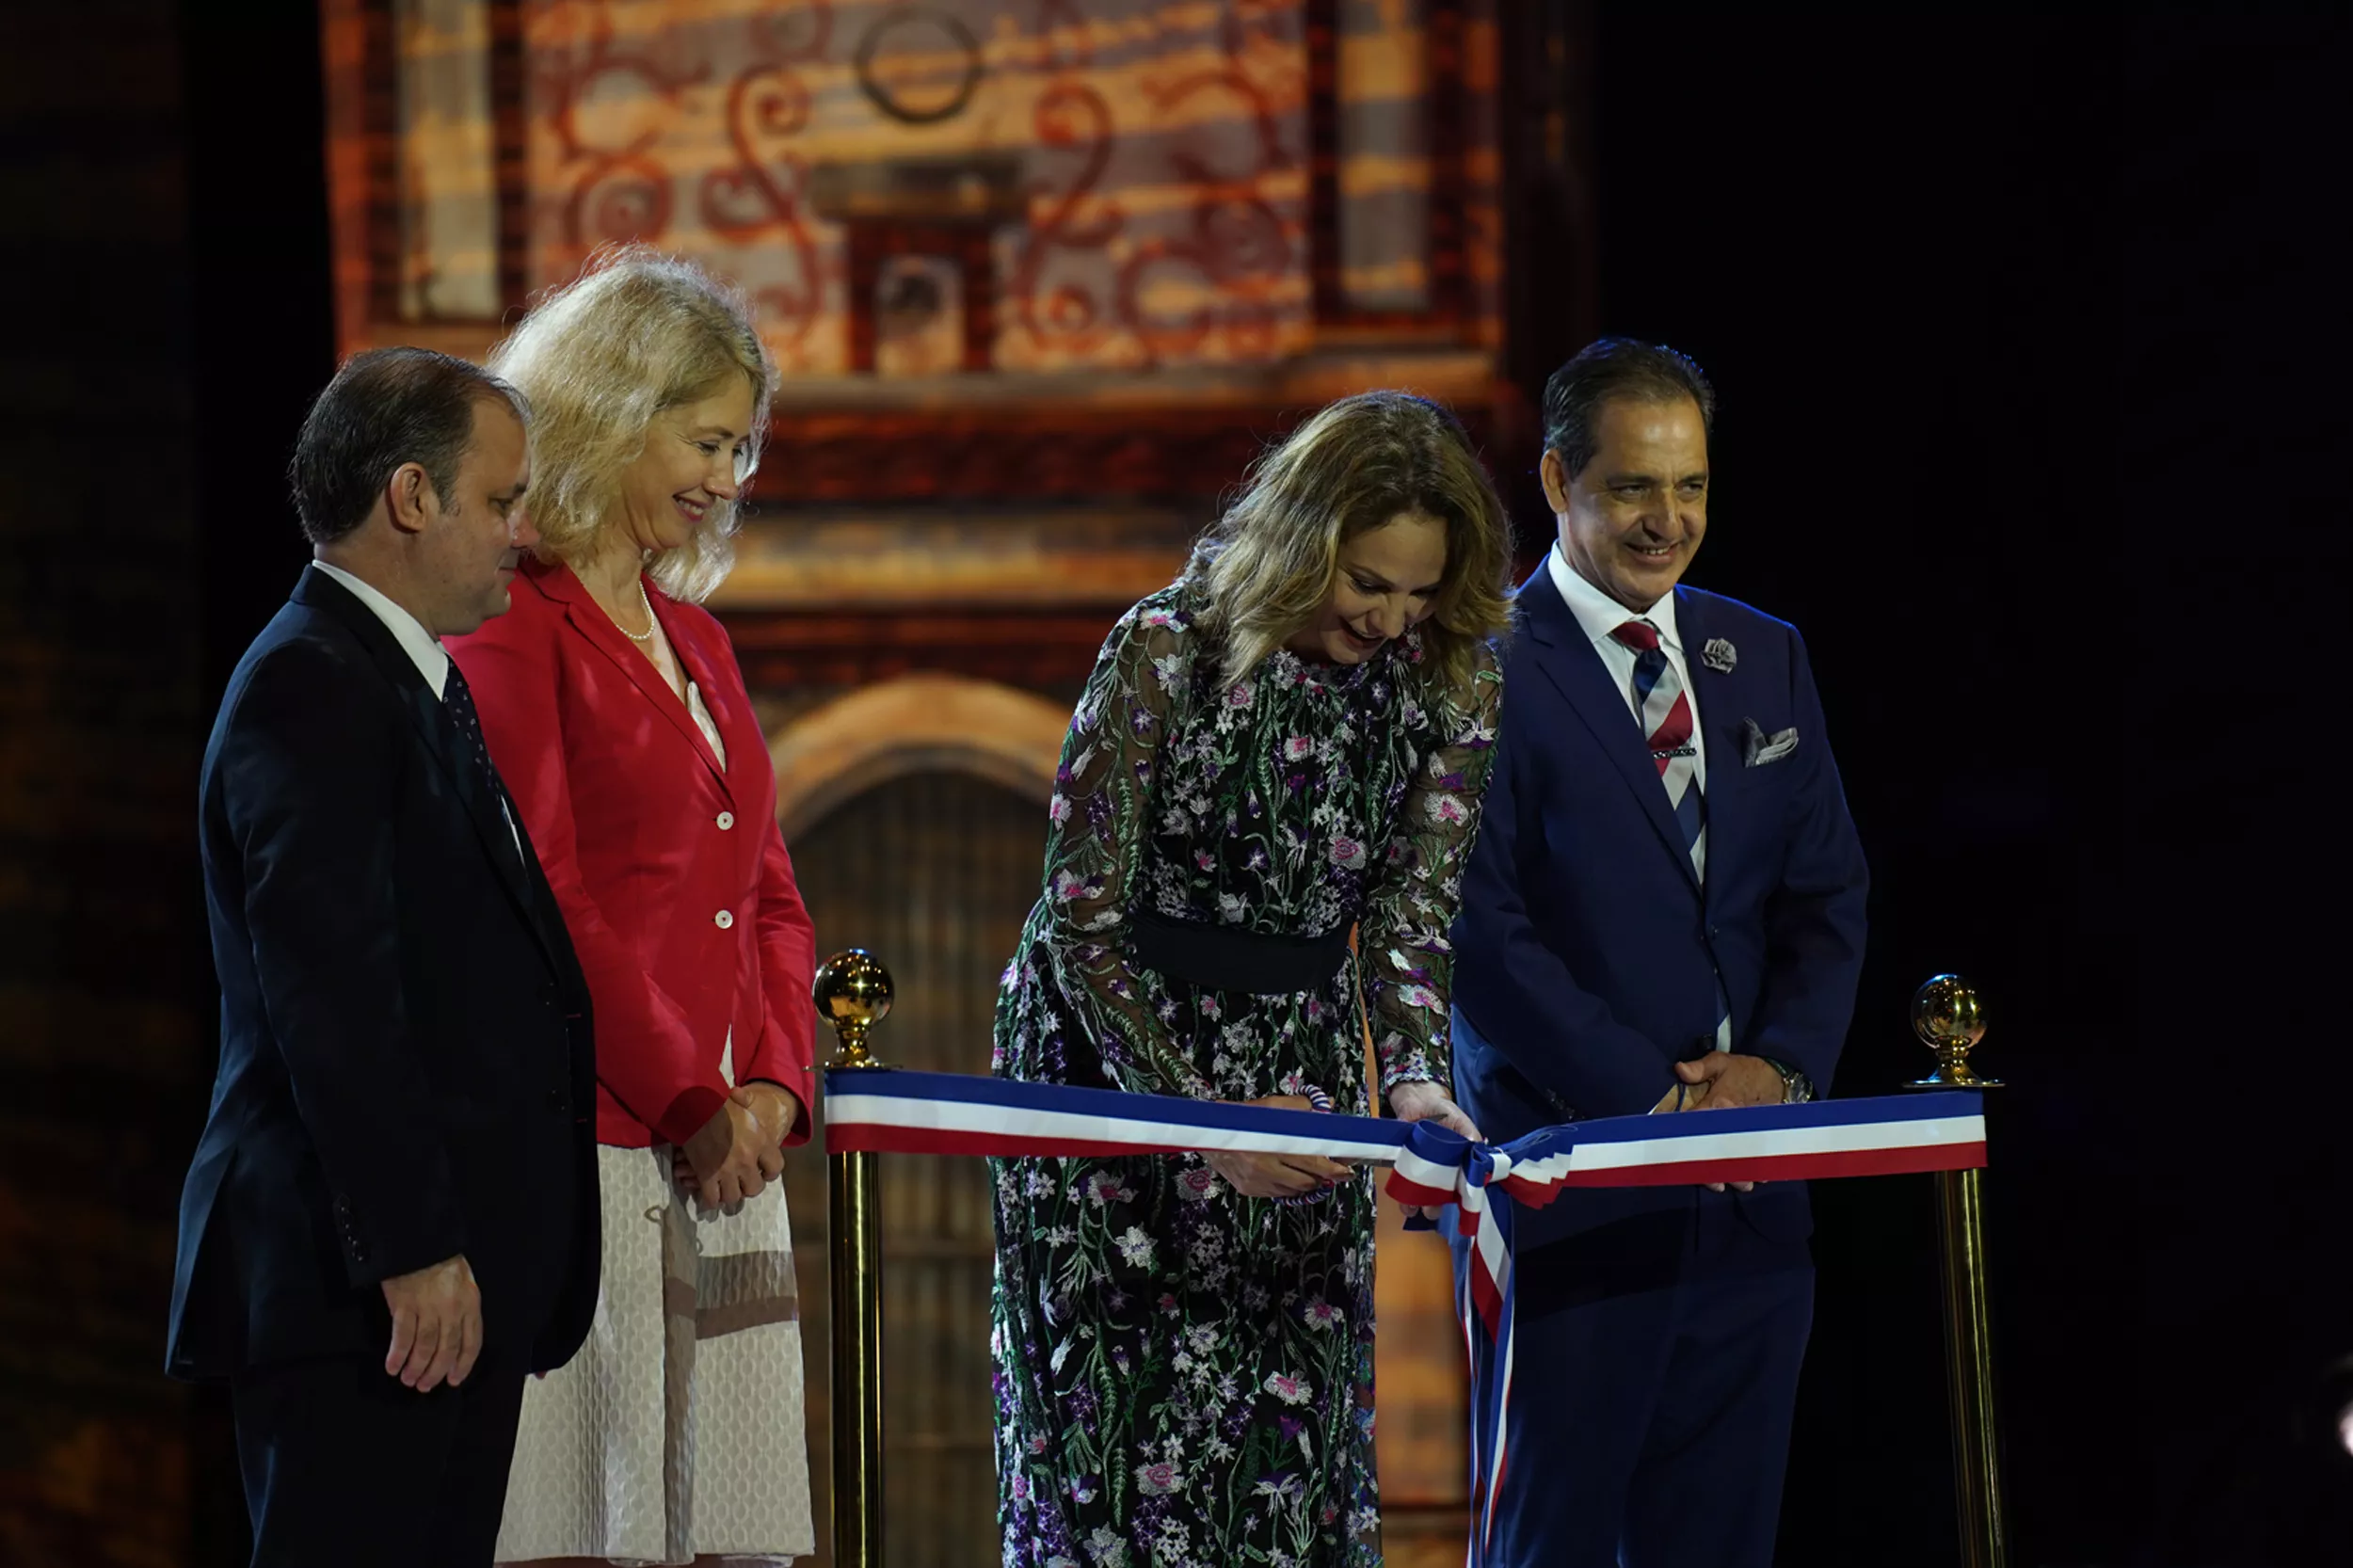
(652, 625)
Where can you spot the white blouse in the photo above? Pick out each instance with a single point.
(704, 723)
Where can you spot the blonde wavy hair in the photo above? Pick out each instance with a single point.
(635, 334)
(1267, 567)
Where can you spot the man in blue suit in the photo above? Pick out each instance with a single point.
(1664, 912)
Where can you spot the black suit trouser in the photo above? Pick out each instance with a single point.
(343, 1468)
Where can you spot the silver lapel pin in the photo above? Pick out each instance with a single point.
(1720, 655)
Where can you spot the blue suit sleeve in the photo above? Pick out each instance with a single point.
(1517, 993)
(1813, 922)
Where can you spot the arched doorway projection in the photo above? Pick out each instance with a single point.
(915, 812)
(915, 724)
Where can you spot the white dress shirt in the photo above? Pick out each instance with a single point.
(1598, 616)
(424, 649)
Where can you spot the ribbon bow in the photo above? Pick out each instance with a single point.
(1438, 1166)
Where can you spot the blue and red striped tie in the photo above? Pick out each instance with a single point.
(1666, 717)
(1666, 713)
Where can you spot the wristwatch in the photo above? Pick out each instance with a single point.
(1795, 1088)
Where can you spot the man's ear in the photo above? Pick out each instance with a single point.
(1555, 476)
(411, 499)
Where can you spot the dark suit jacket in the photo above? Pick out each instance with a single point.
(1587, 951)
(406, 1063)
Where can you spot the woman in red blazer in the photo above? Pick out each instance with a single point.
(615, 711)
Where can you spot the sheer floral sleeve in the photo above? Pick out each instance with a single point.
(1406, 960)
(1099, 818)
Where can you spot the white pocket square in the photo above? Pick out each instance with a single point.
(1757, 748)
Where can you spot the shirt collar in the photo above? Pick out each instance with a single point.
(1598, 614)
(423, 647)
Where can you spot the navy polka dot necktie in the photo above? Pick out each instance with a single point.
(457, 702)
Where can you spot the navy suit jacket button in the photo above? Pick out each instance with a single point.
(555, 1098)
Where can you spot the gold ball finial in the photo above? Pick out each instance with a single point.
(1950, 1020)
(853, 993)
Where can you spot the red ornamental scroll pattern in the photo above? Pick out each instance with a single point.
(1232, 237)
(1165, 218)
(1069, 113)
(1236, 240)
(768, 105)
(617, 191)
(621, 190)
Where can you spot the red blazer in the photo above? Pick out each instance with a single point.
(670, 872)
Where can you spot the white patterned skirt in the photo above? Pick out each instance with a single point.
(677, 1430)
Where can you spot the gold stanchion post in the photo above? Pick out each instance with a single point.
(1946, 1016)
(853, 993)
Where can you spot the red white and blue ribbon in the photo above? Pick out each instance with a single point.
(891, 1112)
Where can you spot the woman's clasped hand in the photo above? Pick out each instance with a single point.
(741, 1150)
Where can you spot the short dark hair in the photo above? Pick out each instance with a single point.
(1611, 368)
(387, 407)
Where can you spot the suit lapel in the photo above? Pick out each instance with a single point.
(610, 640)
(323, 593)
(698, 662)
(531, 887)
(1567, 657)
(1716, 702)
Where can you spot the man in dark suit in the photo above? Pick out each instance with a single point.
(391, 1215)
(1664, 912)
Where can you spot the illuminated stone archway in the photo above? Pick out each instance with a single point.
(914, 724)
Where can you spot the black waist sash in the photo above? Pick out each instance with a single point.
(1219, 958)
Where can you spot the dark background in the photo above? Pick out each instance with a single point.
(2030, 354)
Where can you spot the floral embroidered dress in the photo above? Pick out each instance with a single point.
(1184, 1375)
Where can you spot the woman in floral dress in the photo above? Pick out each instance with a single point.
(1288, 743)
